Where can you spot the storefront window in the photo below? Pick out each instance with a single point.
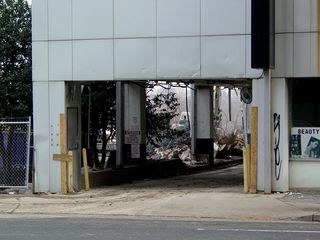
(305, 112)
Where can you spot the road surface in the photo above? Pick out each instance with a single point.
(50, 228)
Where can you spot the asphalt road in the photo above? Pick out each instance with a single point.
(146, 229)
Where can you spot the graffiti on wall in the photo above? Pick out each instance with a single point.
(277, 158)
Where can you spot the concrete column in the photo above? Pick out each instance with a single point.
(280, 135)
(133, 117)
(262, 99)
(57, 105)
(41, 136)
(50, 99)
(258, 100)
(202, 121)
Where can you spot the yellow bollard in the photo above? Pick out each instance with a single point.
(85, 170)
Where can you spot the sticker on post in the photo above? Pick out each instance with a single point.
(135, 151)
(132, 137)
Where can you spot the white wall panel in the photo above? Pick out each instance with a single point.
(59, 19)
(305, 15)
(57, 106)
(41, 135)
(248, 16)
(93, 60)
(223, 56)
(250, 72)
(305, 54)
(92, 19)
(60, 60)
(135, 18)
(39, 20)
(223, 17)
(178, 57)
(283, 16)
(304, 174)
(40, 61)
(135, 58)
(178, 17)
(283, 55)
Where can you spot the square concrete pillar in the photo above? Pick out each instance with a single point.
(202, 121)
(131, 123)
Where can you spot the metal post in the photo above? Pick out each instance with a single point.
(194, 119)
(89, 118)
(229, 103)
(28, 151)
(119, 122)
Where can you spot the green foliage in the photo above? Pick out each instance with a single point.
(102, 116)
(160, 109)
(15, 59)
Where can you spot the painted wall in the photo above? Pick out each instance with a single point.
(299, 43)
(297, 38)
(80, 40)
(77, 40)
(165, 39)
(304, 174)
(296, 55)
(280, 135)
(48, 103)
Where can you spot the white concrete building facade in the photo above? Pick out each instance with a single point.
(78, 41)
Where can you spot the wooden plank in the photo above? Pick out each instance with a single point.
(63, 168)
(70, 174)
(62, 157)
(253, 154)
(63, 150)
(246, 165)
(86, 170)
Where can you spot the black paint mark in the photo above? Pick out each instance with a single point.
(277, 159)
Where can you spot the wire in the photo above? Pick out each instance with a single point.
(168, 85)
(262, 75)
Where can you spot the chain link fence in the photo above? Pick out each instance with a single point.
(14, 152)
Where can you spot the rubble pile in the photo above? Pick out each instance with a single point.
(181, 151)
(230, 145)
(224, 148)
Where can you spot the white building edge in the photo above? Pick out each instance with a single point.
(76, 41)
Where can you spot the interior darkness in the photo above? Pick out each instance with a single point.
(305, 97)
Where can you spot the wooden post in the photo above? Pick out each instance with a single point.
(246, 168)
(70, 173)
(85, 168)
(65, 159)
(253, 155)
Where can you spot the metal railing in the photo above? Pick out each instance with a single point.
(14, 152)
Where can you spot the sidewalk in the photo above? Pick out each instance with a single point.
(210, 195)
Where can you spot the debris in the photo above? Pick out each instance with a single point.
(230, 145)
(225, 148)
(185, 155)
